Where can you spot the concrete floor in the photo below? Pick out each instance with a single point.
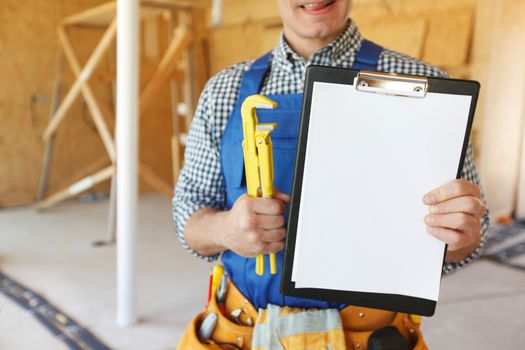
(481, 307)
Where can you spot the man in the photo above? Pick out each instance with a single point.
(212, 215)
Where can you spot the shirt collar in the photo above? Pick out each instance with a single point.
(332, 54)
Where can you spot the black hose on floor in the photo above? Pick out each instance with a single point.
(63, 327)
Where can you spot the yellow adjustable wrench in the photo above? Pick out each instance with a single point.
(258, 159)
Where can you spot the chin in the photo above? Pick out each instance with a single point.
(323, 31)
(325, 22)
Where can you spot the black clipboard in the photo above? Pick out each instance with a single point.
(403, 86)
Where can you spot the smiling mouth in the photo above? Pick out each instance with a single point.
(317, 6)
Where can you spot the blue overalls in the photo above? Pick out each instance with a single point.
(261, 290)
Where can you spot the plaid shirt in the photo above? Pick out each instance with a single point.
(201, 184)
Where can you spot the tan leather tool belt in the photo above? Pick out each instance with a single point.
(358, 324)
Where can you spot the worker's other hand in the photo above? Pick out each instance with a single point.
(455, 215)
(256, 225)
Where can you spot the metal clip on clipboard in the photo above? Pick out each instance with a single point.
(391, 84)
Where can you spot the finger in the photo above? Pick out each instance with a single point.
(453, 189)
(274, 247)
(270, 236)
(270, 222)
(454, 239)
(466, 204)
(281, 195)
(454, 221)
(267, 206)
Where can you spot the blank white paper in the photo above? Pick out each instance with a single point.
(369, 161)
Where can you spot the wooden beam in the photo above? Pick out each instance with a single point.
(155, 181)
(103, 15)
(166, 67)
(91, 64)
(87, 93)
(98, 15)
(77, 188)
(49, 145)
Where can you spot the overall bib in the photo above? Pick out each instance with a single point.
(262, 290)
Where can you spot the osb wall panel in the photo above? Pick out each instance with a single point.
(504, 127)
(28, 56)
(240, 11)
(225, 51)
(29, 53)
(449, 38)
(403, 34)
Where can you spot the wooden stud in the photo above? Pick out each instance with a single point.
(176, 162)
(151, 38)
(87, 93)
(99, 15)
(166, 67)
(189, 77)
(78, 187)
(48, 147)
(84, 75)
(155, 181)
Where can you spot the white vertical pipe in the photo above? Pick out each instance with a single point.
(127, 157)
(216, 13)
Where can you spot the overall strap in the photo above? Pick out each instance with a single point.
(253, 78)
(366, 59)
(368, 56)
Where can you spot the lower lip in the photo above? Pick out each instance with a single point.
(319, 10)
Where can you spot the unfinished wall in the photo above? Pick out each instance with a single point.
(504, 128)
(29, 54)
(454, 34)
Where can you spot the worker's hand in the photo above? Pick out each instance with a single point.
(455, 216)
(256, 225)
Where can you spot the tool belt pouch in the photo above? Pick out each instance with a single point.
(226, 332)
(358, 324)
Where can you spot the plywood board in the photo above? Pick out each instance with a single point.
(29, 52)
(503, 127)
(235, 43)
(449, 38)
(241, 11)
(403, 34)
(28, 55)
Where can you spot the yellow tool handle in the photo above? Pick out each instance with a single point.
(251, 169)
(264, 149)
(216, 275)
(273, 264)
(259, 264)
(416, 319)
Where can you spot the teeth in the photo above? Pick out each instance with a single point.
(312, 6)
(317, 5)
